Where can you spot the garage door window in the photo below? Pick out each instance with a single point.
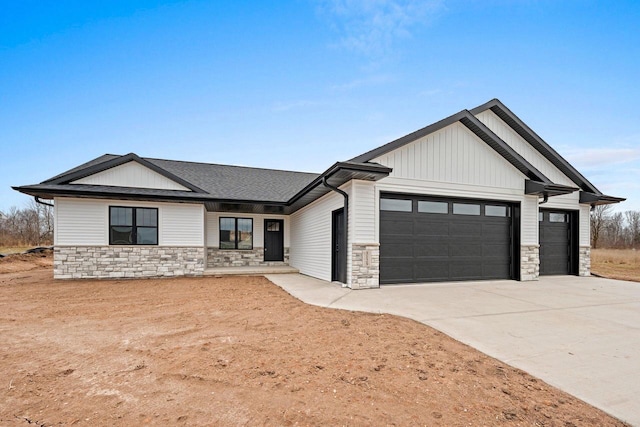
(491, 210)
(466, 209)
(433, 207)
(557, 217)
(396, 205)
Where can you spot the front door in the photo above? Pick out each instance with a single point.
(273, 240)
(338, 249)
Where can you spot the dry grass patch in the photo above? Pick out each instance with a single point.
(622, 264)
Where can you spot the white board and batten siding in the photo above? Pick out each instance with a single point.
(131, 174)
(522, 147)
(311, 235)
(85, 222)
(456, 155)
(213, 227)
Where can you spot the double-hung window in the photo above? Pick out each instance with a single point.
(236, 233)
(133, 226)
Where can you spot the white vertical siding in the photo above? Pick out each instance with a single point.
(529, 221)
(585, 225)
(362, 208)
(453, 154)
(131, 174)
(213, 227)
(181, 225)
(311, 236)
(82, 222)
(522, 147)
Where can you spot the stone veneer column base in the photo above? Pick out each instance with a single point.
(365, 265)
(529, 262)
(241, 258)
(584, 268)
(111, 262)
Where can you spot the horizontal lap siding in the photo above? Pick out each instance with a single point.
(181, 225)
(363, 210)
(131, 174)
(81, 222)
(311, 236)
(585, 225)
(86, 222)
(529, 221)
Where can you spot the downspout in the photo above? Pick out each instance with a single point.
(345, 219)
(37, 199)
(545, 199)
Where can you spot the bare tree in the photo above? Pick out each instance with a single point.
(633, 227)
(600, 215)
(32, 225)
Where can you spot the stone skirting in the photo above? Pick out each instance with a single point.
(529, 262)
(584, 262)
(241, 258)
(365, 265)
(109, 262)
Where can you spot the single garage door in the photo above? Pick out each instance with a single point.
(555, 228)
(436, 239)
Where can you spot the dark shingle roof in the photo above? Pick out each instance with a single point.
(239, 182)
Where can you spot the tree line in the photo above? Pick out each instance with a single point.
(618, 230)
(29, 226)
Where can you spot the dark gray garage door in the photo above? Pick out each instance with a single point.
(428, 240)
(555, 242)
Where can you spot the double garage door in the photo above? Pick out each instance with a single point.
(425, 239)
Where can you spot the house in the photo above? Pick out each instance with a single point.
(477, 195)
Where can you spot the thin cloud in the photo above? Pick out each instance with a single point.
(372, 27)
(598, 157)
(363, 82)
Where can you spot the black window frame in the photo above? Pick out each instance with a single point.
(134, 226)
(237, 240)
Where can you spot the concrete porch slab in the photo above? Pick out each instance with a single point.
(251, 270)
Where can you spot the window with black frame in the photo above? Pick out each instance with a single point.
(133, 226)
(236, 233)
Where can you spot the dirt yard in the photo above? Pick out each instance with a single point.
(241, 351)
(623, 264)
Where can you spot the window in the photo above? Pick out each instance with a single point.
(491, 210)
(133, 226)
(557, 217)
(466, 209)
(236, 233)
(397, 205)
(433, 207)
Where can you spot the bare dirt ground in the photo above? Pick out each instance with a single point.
(622, 264)
(241, 351)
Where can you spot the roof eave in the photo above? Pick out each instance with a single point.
(599, 199)
(547, 189)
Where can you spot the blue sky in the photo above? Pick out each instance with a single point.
(301, 84)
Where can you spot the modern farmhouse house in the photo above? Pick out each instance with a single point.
(475, 196)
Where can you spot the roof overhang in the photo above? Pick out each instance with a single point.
(337, 175)
(599, 199)
(547, 189)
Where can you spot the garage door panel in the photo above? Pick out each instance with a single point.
(400, 226)
(431, 271)
(555, 243)
(424, 227)
(427, 247)
(465, 229)
(471, 249)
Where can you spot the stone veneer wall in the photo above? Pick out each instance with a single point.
(584, 268)
(241, 258)
(529, 262)
(365, 265)
(108, 262)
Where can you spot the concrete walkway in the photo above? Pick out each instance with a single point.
(579, 334)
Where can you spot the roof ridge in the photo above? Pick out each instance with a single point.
(226, 165)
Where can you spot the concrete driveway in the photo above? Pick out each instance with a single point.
(580, 334)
